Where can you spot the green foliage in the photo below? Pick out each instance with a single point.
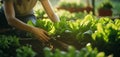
(6, 42)
(61, 26)
(107, 30)
(106, 5)
(65, 14)
(99, 28)
(25, 51)
(70, 5)
(103, 33)
(40, 14)
(107, 36)
(88, 51)
(30, 23)
(44, 24)
(9, 45)
(86, 27)
(71, 16)
(48, 52)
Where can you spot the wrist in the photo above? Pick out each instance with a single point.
(32, 29)
(55, 18)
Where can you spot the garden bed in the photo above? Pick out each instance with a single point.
(37, 46)
(105, 12)
(102, 33)
(87, 9)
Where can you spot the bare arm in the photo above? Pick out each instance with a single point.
(48, 8)
(13, 21)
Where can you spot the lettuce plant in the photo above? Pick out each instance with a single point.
(10, 47)
(88, 51)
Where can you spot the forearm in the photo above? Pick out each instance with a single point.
(19, 24)
(40, 34)
(49, 10)
(12, 20)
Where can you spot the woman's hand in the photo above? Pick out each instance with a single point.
(41, 34)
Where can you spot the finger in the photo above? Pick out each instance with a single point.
(39, 38)
(45, 32)
(44, 37)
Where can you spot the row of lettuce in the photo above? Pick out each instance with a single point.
(11, 47)
(87, 51)
(103, 27)
(103, 32)
(103, 35)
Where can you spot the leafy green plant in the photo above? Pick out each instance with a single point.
(61, 26)
(40, 14)
(45, 24)
(88, 51)
(102, 33)
(9, 45)
(6, 42)
(106, 30)
(25, 51)
(107, 35)
(106, 5)
(70, 5)
(65, 14)
(86, 28)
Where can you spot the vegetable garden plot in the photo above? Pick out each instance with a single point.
(102, 33)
